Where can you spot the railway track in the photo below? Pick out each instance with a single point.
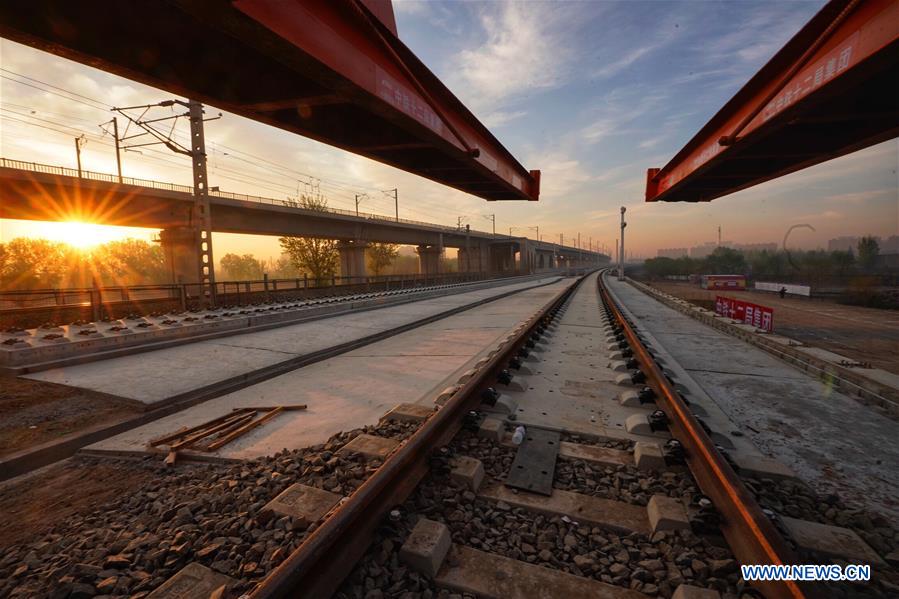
(429, 503)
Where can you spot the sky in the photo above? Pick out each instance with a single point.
(591, 93)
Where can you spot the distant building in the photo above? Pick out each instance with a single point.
(672, 253)
(705, 250)
(842, 244)
(890, 245)
(755, 247)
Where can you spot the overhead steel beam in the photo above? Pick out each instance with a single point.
(829, 91)
(332, 70)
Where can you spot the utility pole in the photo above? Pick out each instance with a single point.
(118, 154)
(719, 235)
(80, 142)
(621, 254)
(358, 197)
(491, 218)
(396, 202)
(201, 213)
(200, 217)
(468, 248)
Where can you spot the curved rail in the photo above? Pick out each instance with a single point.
(318, 566)
(750, 534)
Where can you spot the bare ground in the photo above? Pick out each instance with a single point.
(862, 334)
(33, 504)
(35, 412)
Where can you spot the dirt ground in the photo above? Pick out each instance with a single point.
(34, 412)
(33, 504)
(863, 334)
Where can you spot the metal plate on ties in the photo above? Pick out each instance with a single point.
(534, 465)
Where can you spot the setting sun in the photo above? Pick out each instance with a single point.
(80, 235)
(84, 236)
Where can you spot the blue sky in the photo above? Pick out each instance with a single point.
(591, 93)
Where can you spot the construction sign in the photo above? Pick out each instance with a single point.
(761, 317)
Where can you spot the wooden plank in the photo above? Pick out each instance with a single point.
(187, 431)
(244, 429)
(240, 417)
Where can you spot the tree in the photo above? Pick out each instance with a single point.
(318, 257)
(241, 268)
(129, 262)
(868, 250)
(35, 263)
(842, 260)
(725, 261)
(381, 255)
(284, 268)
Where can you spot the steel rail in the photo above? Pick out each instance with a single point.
(751, 535)
(316, 568)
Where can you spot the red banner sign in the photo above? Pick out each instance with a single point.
(761, 317)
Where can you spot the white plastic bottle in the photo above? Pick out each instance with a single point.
(518, 435)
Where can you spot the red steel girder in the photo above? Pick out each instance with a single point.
(829, 91)
(332, 70)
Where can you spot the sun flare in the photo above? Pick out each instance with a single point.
(81, 235)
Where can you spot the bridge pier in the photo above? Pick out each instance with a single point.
(182, 256)
(352, 258)
(429, 262)
(474, 259)
(502, 257)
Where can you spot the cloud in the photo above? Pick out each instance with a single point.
(498, 118)
(620, 109)
(626, 61)
(525, 50)
(411, 7)
(652, 142)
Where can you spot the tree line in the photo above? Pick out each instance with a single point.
(812, 266)
(27, 263)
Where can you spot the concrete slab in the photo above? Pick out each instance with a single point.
(408, 412)
(832, 541)
(305, 504)
(576, 391)
(686, 591)
(155, 376)
(596, 511)
(649, 456)
(426, 547)
(467, 472)
(356, 388)
(595, 454)
(667, 513)
(193, 581)
(492, 428)
(492, 576)
(370, 446)
(778, 410)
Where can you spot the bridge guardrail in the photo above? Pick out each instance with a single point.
(288, 203)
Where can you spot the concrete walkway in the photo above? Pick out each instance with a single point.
(572, 387)
(154, 377)
(356, 388)
(829, 440)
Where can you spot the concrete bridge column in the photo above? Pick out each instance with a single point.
(473, 259)
(429, 259)
(352, 258)
(182, 258)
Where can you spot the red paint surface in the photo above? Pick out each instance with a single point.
(761, 317)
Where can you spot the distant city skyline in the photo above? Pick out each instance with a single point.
(888, 245)
(592, 94)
